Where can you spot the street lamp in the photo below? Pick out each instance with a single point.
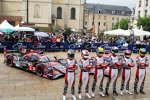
(27, 11)
(131, 34)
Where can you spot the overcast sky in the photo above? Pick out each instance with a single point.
(129, 3)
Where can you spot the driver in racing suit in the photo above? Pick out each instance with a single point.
(126, 74)
(85, 65)
(115, 63)
(142, 63)
(71, 66)
(99, 64)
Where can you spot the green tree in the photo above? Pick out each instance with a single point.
(123, 24)
(68, 30)
(144, 22)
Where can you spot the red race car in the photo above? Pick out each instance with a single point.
(37, 63)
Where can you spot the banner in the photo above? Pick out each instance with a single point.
(66, 46)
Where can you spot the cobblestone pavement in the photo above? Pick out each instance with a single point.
(16, 84)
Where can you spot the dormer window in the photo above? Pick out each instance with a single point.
(113, 12)
(123, 12)
(99, 11)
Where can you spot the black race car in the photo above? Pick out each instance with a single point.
(37, 63)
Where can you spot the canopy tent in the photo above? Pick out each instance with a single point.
(18, 28)
(1, 33)
(41, 34)
(73, 30)
(118, 32)
(139, 32)
(6, 27)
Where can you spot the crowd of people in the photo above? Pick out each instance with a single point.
(74, 37)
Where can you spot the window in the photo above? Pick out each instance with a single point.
(104, 17)
(104, 24)
(113, 12)
(37, 11)
(133, 11)
(33, 58)
(85, 23)
(140, 3)
(139, 13)
(59, 13)
(99, 23)
(113, 24)
(123, 12)
(73, 13)
(146, 3)
(117, 19)
(145, 13)
(113, 18)
(99, 11)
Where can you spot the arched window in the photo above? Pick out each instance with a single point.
(37, 11)
(73, 13)
(59, 13)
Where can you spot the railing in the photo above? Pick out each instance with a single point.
(66, 46)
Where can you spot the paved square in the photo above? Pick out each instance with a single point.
(16, 84)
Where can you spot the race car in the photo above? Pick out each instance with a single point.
(37, 63)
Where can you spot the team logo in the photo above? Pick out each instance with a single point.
(19, 45)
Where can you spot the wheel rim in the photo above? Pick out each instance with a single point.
(39, 71)
(9, 62)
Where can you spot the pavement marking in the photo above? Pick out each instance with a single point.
(114, 98)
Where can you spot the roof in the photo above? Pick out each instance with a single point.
(108, 9)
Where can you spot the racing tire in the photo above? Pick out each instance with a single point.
(39, 71)
(9, 61)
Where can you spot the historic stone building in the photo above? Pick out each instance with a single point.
(43, 13)
(68, 13)
(15, 11)
(104, 16)
(141, 9)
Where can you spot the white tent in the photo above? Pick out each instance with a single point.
(41, 34)
(1, 33)
(138, 32)
(118, 32)
(6, 25)
(18, 28)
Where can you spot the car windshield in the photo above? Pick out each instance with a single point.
(44, 59)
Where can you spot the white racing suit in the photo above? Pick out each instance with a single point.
(140, 72)
(85, 65)
(113, 72)
(70, 76)
(126, 74)
(99, 73)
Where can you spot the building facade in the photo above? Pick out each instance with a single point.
(103, 17)
(68, 13)
(15, 11)
(43, 13)
(141, 9)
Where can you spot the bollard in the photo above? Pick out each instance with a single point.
(5, 52)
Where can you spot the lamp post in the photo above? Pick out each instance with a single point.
(27, 11)
(131, 34)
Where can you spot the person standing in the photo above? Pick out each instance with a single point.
(142, 63)
(126, 74)
(99, 64)
(115, 64)
(71, 66)
(85, 66)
